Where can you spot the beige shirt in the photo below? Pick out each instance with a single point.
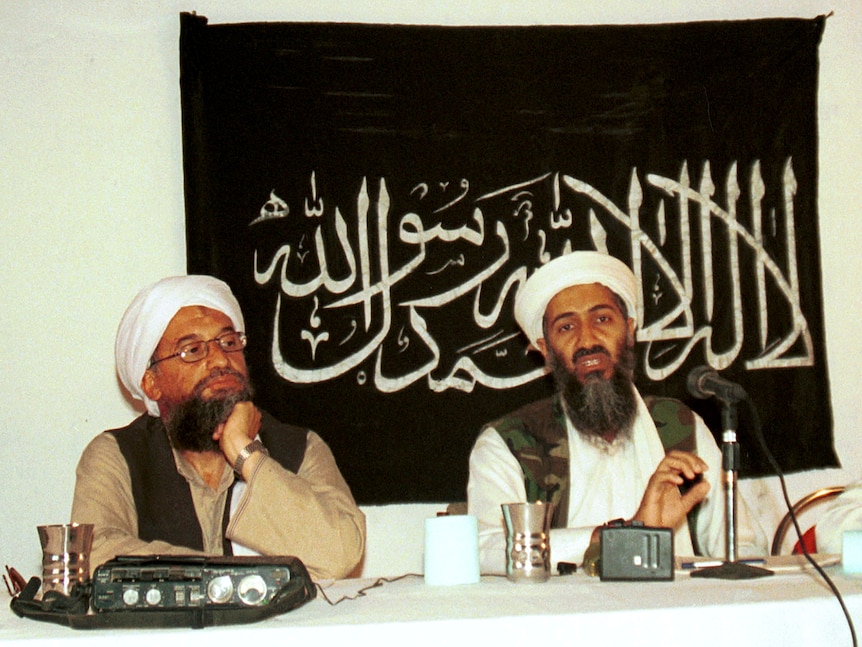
(310, 515)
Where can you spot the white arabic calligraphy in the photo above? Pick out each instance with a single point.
(670, 336)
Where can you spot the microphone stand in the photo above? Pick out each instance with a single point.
(731, 569)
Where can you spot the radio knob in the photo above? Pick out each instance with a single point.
(130, 597)
(154, 596)
(252, 590)
(220, 589)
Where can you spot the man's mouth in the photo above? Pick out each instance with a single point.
(222, 380)
(591, 361)
(594, 360)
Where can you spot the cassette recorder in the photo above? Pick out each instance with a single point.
(188, 582)
(173, 591)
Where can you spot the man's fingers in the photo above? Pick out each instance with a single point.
(695, 495)
(683, 463)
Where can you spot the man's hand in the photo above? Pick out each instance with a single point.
(238, 430)
(662, 505)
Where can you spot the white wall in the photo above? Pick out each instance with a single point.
(91, 198)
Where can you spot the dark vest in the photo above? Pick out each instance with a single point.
(163, 498)
(536, 436)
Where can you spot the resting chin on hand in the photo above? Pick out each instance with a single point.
(663, 505)
(240, 428)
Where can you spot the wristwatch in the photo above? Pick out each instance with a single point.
(245, 452)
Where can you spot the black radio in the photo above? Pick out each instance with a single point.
(225, 590)
(182, 582)
(175, 591)
(635, 552)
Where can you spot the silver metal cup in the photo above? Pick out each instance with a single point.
(65, 555)
(528, 541)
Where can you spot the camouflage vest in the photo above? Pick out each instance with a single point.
(536, 435)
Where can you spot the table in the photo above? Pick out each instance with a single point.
(784, 609)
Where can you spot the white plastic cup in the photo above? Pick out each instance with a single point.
(452, 550)
(851, 551)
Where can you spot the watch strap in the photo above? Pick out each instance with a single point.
(245, 452)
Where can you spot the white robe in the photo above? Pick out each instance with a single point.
(843, 514)
(605, 484)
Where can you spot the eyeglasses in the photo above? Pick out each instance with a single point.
(229, 342)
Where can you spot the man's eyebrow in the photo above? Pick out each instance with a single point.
(185, 339)
(595, 308)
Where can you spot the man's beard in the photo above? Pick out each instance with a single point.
(191, 423)
(599, 408)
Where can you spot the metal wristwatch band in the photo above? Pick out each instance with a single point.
(245, 452)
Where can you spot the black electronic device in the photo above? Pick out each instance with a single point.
(636, 552)
(227, 587)
(179, 591)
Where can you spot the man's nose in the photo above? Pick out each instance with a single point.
(216, 356)
(587, 337)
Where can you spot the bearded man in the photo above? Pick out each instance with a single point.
(204, 471)
(594, 448)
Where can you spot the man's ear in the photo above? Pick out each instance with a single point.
(149, 386)
(542, 347)
(632, 327)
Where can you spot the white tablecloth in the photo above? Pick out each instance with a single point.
(784, 609)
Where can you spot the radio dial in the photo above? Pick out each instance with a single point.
(154, 596)
(131, 597)
(252, 590)
(220, 589)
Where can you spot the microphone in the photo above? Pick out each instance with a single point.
(703, 382)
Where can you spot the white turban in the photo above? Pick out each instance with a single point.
(576, 268)
(149, 314)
